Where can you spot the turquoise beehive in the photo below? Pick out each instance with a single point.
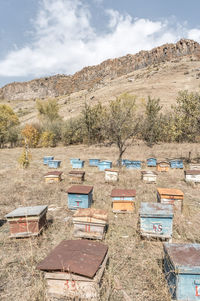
(80, 196)
(102, 165)
(151, 162)
(54, 163)
(94, 162)
(46, 159)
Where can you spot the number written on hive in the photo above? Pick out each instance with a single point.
(157, 228)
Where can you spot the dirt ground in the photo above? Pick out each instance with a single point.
(135, 265)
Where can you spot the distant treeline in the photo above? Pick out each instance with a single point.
(119, 123)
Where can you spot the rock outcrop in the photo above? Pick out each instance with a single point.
(91, 77)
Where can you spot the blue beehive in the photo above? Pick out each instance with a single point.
(176, 163)
(73, 159)
(94, 162)
(151, 162)
(80, 196)
(156, 220)
(54, 163)
(133, 164)
(102, 165)
(78, 164)
(182, 271)
(46, 159)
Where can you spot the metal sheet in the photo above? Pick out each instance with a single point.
(170, 191)
(192, 172)
(80, 189)
(54, 173)
(81, 257)
(76, 172)
(123, 192)
(148, 172)
(27, 211)
(186, 255)
(156, 209)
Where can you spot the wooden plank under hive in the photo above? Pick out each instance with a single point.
(149, 176)
(123, 200)
(76, 176)
(27, 221)
(74, 269)
(111, 175)
(90, 223)
(182, 270)
(162, 166)
(192, 176)
(53, 176)
(80, 196)
(156, 220)
(171, 196)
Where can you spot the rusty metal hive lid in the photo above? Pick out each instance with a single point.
(123, 192)
(112, 170)
(53, 173)
(192, 172)
(82, 257)
(149, 172)
(80, 189)
(27, 211)
(184, 257)
(76, 172)
(170, 191)
(156, 209)
(92, 212)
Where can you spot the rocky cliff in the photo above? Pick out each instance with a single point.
(91, 77)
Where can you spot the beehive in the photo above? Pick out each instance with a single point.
(80, 196)
(171, 196)
(74, 269)
(123, 200)
(151, 162)
(182, 271)
(54, 163)
(78, 163)
(90, 223)
(133, 164)
(94, 162)
(194, 166)
(27, 221)
(102, 165)
(74, 159)
(46, 159)
(76, 176)
(149, 176)
(162, 166)
(53, 176)
(192, 176)
(176, 163)
(156, 220)
(111, 175)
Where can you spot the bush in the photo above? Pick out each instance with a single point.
(24, 159)
(31, 135)
(47, 139)
(72, 132)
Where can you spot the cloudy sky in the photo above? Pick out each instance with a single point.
(47, 37)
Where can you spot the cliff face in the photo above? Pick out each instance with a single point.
(90, 77)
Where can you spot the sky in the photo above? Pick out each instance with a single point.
(46, 37)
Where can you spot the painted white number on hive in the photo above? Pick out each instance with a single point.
(157, 228)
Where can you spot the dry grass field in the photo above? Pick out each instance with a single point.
(135, 266)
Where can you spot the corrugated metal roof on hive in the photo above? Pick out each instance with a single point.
(27, 211)
(80, 189)
(123, 192)
(80, 257)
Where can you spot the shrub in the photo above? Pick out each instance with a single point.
(31, 135)
(47, 139)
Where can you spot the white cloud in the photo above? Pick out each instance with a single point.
(64, 40)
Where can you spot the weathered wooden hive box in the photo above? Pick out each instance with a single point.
(53, 176)
(151, 162)
(192, 176)
(27, 221)
(80, 196)
(176, 163)
(94, 162)
(123, 200)
(162, 166)
(102, 165)
(90, 223)
(76, 176)
(149, 176)
(133, 164)
(111, 175)
(78, 163)
(182, 271)
(156, 220)
(54, 163)
(194, 166)
(171, 196)
(46, 159)
(74, 269)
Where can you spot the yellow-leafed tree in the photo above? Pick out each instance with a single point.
(30, 135)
